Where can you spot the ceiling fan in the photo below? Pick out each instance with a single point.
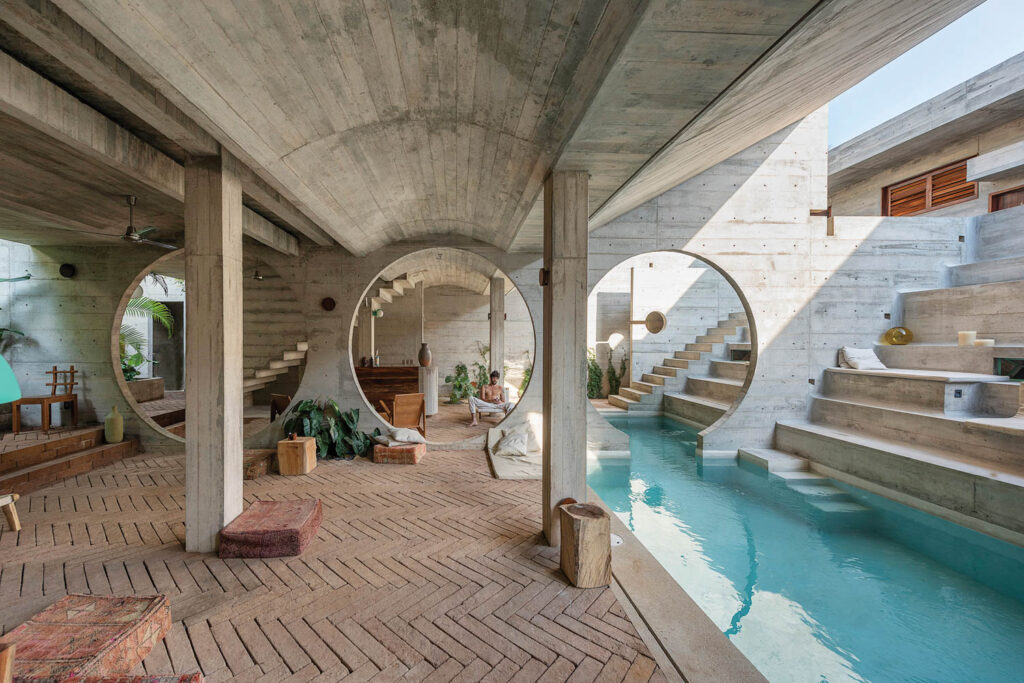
(138, 236)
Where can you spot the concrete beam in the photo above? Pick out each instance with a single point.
(263, 231)
(497, 316)
(565, 344)
(997, 164)
(213, 357)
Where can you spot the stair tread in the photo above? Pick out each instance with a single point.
(64, 458)
(947, 376)
(1013, 425)
(622, 398)
(774, 460)
(838, 506)
(1010, 474)
(717, 380)
(723, 405)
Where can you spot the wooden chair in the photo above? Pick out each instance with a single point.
(62, 379)
(7, 501)
(278, 404)
(408, 411)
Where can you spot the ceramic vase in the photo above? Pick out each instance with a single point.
(113, 426)
(425, 356)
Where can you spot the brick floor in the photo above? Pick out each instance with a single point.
(434, 572)
(451, 424)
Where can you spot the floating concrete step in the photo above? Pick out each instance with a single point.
(700, 346)
(653, 378)
(710, 339)
(730, 369)
(294, 355)
(695, 409)
(716, 388)
(302, 346)
(807, 478)
(638, 395)
(974, 488)
(269, 372)
(384, 295)
(285, 363)
(644, 386)
(997, 440)
(954, 392)
(773, 460)
(667, 370)
(738, 346)
(687, 355)
(620, 402)
(255, 383)
(738, 316)
(985, 272)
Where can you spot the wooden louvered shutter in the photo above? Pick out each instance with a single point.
(950, 186)
(933, 190)
(908, 198)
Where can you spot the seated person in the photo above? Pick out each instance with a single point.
(492, 398)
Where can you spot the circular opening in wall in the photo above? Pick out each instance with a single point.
(668, 333)
(422, 350)
(148, 344)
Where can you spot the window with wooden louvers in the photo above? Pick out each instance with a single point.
(933, 190)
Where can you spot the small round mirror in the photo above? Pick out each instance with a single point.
(655, 322)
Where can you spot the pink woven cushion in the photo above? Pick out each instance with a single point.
(89, 635)
(168, 678)
(407, 454)
(272, 528)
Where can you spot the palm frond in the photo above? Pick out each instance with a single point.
(144, 307)
(131, 336)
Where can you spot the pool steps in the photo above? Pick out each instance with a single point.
(818, 490)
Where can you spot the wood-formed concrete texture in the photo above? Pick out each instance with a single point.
(383, 589)
(381, 123)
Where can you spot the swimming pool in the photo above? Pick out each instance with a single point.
(820, 585)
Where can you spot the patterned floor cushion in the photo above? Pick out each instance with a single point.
(89, 635)
(169, 678)
(272, 528)
(257, 461)
(407, 454)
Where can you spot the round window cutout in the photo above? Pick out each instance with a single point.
(421, 345)
(668, 332)
(148, 344)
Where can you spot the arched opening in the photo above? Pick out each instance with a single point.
(148, 344)
(669, 333)
(439, 322)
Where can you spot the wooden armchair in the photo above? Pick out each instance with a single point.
(62, 389)
(278, 404)
(408, 411)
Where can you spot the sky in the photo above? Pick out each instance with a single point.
(987, 35)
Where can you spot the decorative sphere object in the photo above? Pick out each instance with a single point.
(655, 322)
(898, 336)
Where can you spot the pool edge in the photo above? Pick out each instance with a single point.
(695, 647)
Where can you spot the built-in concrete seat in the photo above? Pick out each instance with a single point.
(992, 493)
(924, 375)
(696, 409)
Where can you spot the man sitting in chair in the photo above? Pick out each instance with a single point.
(492, 399)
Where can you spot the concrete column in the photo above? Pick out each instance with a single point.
(213, 359)
(498, 325)
(565, 343)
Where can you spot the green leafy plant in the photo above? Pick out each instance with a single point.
(130, 337)
(594, 375)
(527, 374)
(615, 376)
(460, 385)
(337, 433)
(483, 375)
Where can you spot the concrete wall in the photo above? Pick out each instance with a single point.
(692, 295)
(864, 198)
(807, 293)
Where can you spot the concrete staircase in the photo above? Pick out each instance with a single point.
(39, 460)
(701, 378)
(941, 432)
(261, 377)
(816, 489)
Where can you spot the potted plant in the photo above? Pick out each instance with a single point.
(337, 433)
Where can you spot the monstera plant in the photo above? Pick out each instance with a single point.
(337, 433)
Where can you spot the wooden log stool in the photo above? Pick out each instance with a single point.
(586, 545)
(296, 456)
(62, 379)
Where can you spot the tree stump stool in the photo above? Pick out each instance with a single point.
(586, 545)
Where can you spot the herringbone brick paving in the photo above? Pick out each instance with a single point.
(434, 572)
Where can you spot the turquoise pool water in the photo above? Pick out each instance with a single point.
(884, 593)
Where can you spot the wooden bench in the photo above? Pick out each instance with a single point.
(65, 380)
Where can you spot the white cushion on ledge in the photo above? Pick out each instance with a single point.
(859, 359)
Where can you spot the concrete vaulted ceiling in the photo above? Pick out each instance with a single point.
(370, 121)
(445, 266)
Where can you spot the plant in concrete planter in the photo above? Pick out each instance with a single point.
(337, 433)
(615, 377)
(460, 385)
